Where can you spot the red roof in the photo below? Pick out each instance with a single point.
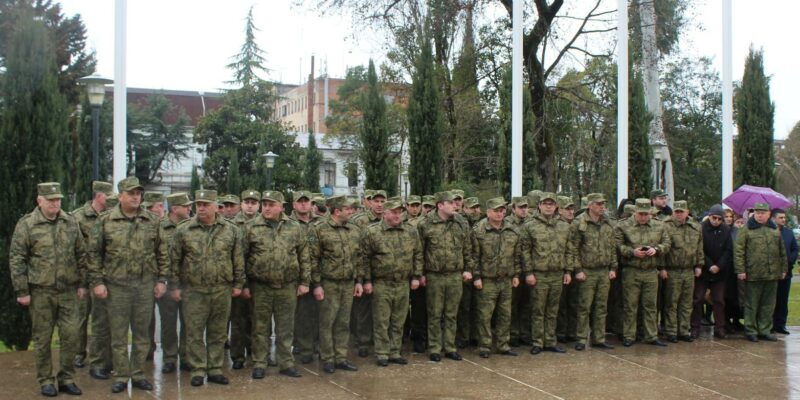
(195, 104)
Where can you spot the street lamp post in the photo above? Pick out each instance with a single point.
(96, 90)
(659, 151)
(269, 160)
(405, 185)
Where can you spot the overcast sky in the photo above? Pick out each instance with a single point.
(185, 45)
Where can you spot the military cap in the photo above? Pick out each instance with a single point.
(377, 193)
(681, 205)
(629, 208)
(205, 196)
(595, 198)
(413, 199)
(50, 190)
(533, 196)
(428, 200)
(179, 199)
(337, 202)
(354, 201)
(761, 206)
(318, 198)
(657, 193)
(150, 198)
(112, 201)
(128, 184)
(444, 196)
(642, 205)
(273, 195)
(392, 204)
(250, 194)
(584, 202)
(565, 202)
(368, 193)
(548, 196)
(296, 196)
(495, 203)
(470, 202)
(519, 201)
(230, 198)
(457, 194)
(103, 187)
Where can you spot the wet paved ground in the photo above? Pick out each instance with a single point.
(706, 369)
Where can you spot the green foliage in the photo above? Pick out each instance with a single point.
(250, 61)
(640, 154)
(424, 126)
(375, 153)
(755, 113)
(194, 184)
(82, 168)
(313, 160)
(156, 142)
(233, 185)
(670, 21)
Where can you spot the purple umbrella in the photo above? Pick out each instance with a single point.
(747, 196)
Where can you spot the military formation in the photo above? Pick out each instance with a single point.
(340, 273)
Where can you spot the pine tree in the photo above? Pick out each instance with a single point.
(424, 126)
(640, 164)
(375, 137)
(32, 137)
(234, 182)
(250, 60)
(312, 163)
(195, 184)
(755, 113)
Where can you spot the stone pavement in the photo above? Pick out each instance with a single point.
(706, 369)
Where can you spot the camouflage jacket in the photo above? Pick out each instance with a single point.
(686, 245)
(414, 221)
(314, 220)
(240, 219)
(446, 244)
(593, 244)
(544, 245)
(365, 219)
(496, 252)
(276, 253)
(514, 220)
(167, 232)
(86, 216)
(391, 253)
(122, 249)
(632, 235)
(759, 251)
(206, 256)
(46, 253)
(334, 251)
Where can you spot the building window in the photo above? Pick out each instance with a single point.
(330, 174)
(352, 174)
(283, 110)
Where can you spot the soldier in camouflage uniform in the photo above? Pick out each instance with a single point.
(413, 208)
(760, 260)
(100, 347)
(533, 203)
(231, 206)
(154, 202)
(498, 260)
(448, 262)
(594, 251)
(306, 320)
(520, 329)
(684, 256)
(566, 330)
(172, 343)
(47, 271)
(392, 256)
(546, 268)
(278, 272)
(417, 314)
(641, 242)
(428, 204)
(318, 205)
(242, 306)
(127, 264)
(336, 277)
(361, 316)
(207, 270)
(467, 323)
(616, 303)
(472, 210)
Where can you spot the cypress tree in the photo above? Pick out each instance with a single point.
(195, 184)
(640, 154)
(311, 166)
(755, 113)
(233, 183)
(424, 126)
(375, 137)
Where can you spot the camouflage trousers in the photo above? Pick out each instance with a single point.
(100, 340)
(545, 297)
(306, 324)
(567, 322)
(443, 294)
(84, 310)
(521, 312)
(592, 297)
(50, 308)
(172, 343)
(616, 305)
(678, 301)
(241, 326)
(389, 310)
(361, 320)
(206, 312)
(467, 322)
(759, 306)
(334, 320)
(640, 289)
(494, 299)
(279, 303)
(130, 307)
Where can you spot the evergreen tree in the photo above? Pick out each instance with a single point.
(424, 126)
(250, 61)
(82, 164)
(32, 137)
(195, 184)
(233, 184)
(640, 154)
(313, 160)
(375, 154)
(530, 178)
(755, 113)
(156, 142)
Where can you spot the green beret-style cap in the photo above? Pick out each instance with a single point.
(642, 205)
(128, 184)
(565, 202)
(657, 193)
(444, 196)
(414, 199)
(495, 203)
(519, 201)
(230, 198)
(429, 200)
(392, 204)
(250, 194)
(179, 199)
(205, 196)
(680, 205)
(296, 196)
(761, 206)
(273, 195)
(595, 198)
(337, 202)
(377, 193)
(470, 202)
(153, 197)
(548, 196)
(103, 187)
(457, 194)
(50, 190)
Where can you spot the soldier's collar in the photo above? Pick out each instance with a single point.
(40, 218)
(116, 213)
(386, 226)
(194, 222)
(504, 225)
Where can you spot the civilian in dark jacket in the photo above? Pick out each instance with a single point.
(782, 301)
(718, 250)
